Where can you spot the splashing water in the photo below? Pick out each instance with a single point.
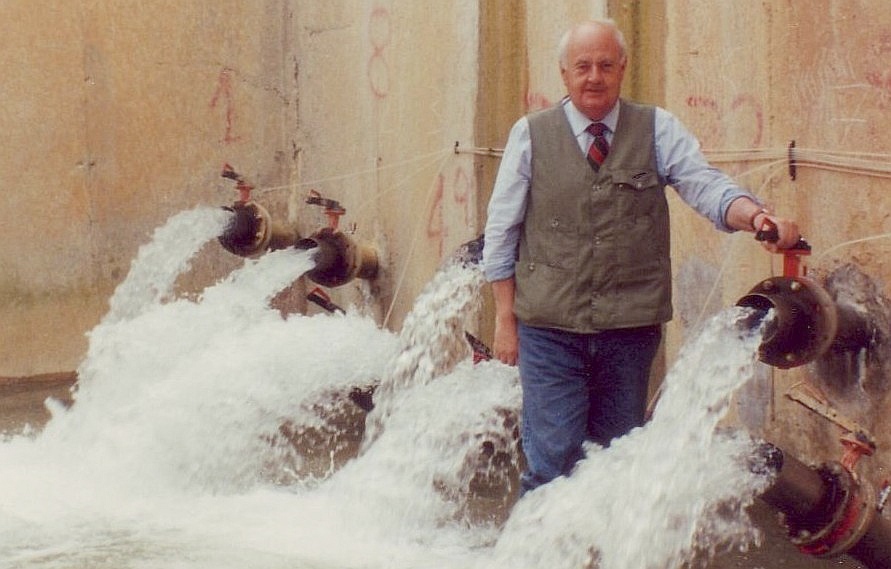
(173, 454)
(664, 491)
(432, 338)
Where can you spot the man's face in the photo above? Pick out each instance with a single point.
(593, 70)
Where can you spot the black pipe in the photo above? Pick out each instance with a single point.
(251, 231)
(874, 548)
(797, 490)
(827, 510)
(240, 235)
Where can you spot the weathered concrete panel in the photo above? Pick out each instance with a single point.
(119, 114)
(759, 76)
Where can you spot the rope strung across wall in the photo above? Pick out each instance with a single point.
(858, 163)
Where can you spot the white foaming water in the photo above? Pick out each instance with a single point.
(172, 455)
(432, 338)
(664, 491)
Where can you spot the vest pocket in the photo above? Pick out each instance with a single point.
(558, 246)
(649, 281)
(640, 200)
(545, 294)
(637, 179)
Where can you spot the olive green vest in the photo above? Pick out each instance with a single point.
(594, 249)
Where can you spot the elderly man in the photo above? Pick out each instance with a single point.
(577, 250)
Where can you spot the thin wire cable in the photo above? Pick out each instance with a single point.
(838, 246)
(414, 241)
(776, 164)
(726, 262)
(356, 174)
(435, 158)
(849, 162)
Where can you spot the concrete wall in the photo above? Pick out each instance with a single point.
(119, 114)
(757, 77)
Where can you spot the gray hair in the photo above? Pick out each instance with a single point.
(609, 23)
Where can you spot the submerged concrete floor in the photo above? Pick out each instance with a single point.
(22, 403)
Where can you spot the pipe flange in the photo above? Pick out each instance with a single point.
(249, 232)
(339, 258)
(805, 320)
(853, 506)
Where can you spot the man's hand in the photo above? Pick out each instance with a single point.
(777, 233)
(506, 345)
(782, 233)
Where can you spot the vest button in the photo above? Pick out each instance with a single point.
(531, 266)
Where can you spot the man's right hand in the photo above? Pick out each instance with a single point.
(506, 345)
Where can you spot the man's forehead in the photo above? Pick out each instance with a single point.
(603, 56)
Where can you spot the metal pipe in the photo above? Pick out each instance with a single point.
(339, 258)
(874, 548)
(252, 231)
(828, 511)
(804, 323)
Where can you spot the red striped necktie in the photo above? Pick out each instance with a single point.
(600, 147)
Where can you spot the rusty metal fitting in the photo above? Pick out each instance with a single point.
(856, 445)
(339, 258)
(850, 506)
(804, 323)
(248, 232)
(826, 510)
(251, 231)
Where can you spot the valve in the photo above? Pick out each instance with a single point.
(806, 320)
(251, 231)
(241, 185)
(856, 446)
(793, 266)
(333, 209)
(339, 258)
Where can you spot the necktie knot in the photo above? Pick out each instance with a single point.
(596, 129)
(599, 147)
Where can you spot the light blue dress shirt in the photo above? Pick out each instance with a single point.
(678, 158)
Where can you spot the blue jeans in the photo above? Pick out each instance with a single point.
(580, 387)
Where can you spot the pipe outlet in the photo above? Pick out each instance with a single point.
(804, 323)
(828, 511)
(339, 259)
(252, 231)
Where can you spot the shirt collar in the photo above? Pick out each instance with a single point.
(579, 122)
